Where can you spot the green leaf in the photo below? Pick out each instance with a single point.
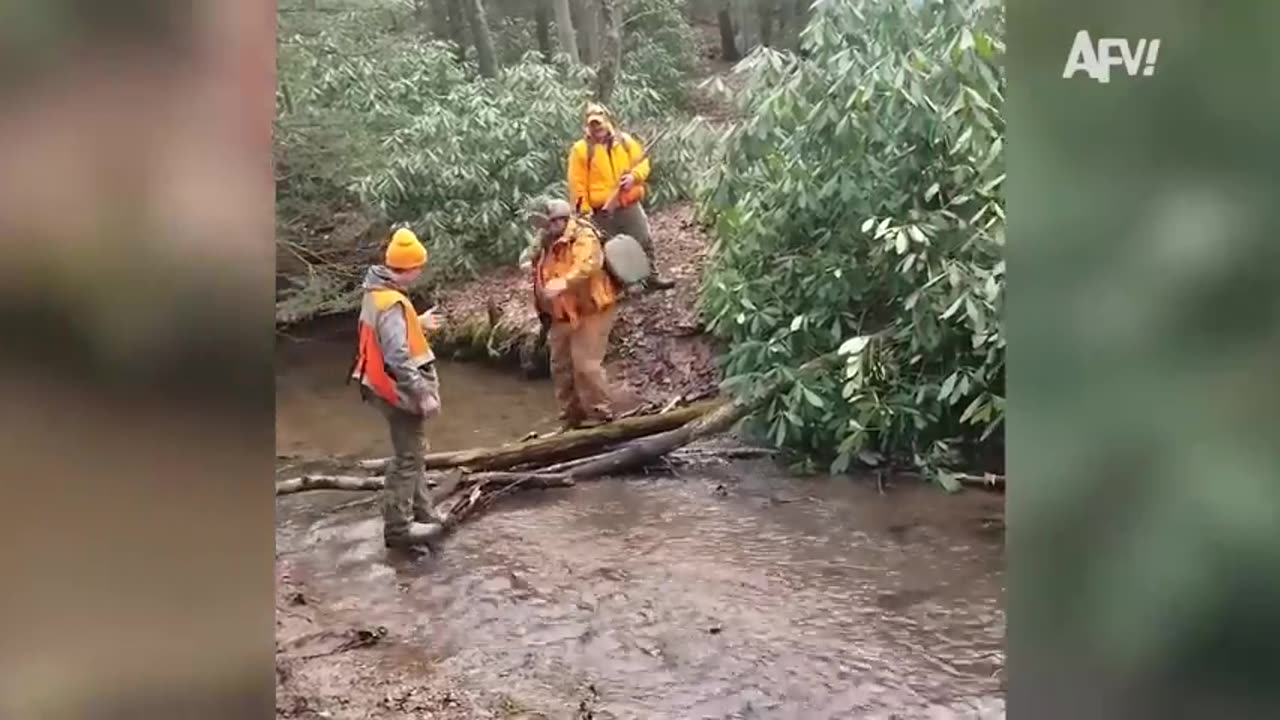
(883, 227)
(972, 409)
(854, 345)
(947, 386)
(955, 307)
(841, 463)
(948, 481)
(813, 399)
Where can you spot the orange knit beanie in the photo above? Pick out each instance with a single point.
(405, 252)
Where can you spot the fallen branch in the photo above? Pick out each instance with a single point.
(327, 482)
(695, 455)
(351, 483)
(561, 446)
(644, 438)
(725, 415)
(990, 481)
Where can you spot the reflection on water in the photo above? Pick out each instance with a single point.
(317, 413)
(780, 598)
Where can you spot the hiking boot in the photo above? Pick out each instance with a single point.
(416, 534)
(656, 283)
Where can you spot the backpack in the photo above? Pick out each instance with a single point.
(625, 260)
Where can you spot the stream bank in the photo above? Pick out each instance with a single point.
(657, 350)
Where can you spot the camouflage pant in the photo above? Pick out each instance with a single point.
(406, 496)
(631, 221)
(577, 366)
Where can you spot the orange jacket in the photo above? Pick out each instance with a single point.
(391, 347)
(577, 257)
(591, 182)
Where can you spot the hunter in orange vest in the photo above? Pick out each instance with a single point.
(396, 371)
(608, 163)
(573, 289)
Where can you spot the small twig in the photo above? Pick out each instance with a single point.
(359, 639)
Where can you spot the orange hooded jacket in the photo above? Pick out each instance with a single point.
(593, 179)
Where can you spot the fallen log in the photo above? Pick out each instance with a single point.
(561, 446)
(628, 445)
(725, 415)
(634, 454)
(307, 483)
(353, 483)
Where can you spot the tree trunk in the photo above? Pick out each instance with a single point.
(541, 19)
(767, 10)
(786, 22)
(485, 55)
(439, 10)
(584, 21)
(564, 30)
(611, 57)
(744, 26)
(457, 27)
(728, 44)
(796, 20)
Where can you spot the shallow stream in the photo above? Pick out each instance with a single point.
(730, 592)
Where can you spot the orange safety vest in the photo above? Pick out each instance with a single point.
(370, 369)
(595, 295)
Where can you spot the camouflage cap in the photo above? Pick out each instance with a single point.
(558, 209)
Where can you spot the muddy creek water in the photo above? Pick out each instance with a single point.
(732, 591)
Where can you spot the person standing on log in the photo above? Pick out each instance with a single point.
(603, 161)
(396, 371)
(573, 289)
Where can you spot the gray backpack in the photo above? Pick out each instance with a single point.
(625, 260)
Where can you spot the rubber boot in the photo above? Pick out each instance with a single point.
(417, 534)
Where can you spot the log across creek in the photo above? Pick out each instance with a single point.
(470, 481)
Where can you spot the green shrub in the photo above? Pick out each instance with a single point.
(391, 124)
(860, 210)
